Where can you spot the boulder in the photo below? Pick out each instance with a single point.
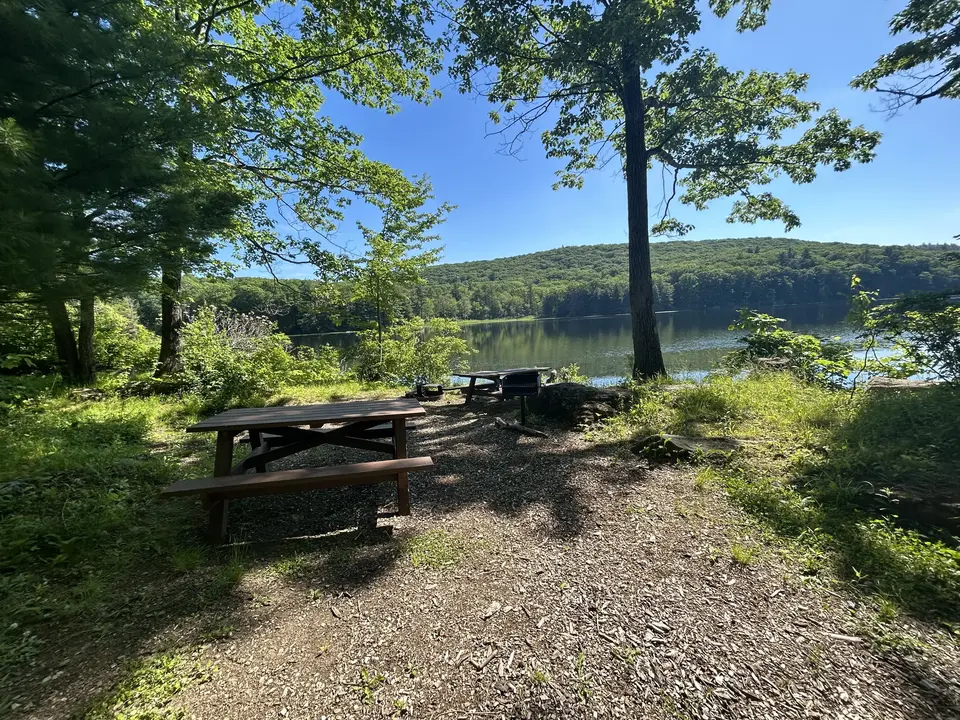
(93, 394)
(572, 402)
(886, 384)
(670, 447)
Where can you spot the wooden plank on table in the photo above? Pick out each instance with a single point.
(290, 415)
(278, 481)
(495, 374)
(479, 375)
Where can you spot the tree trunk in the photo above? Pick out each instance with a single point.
(171, 319)
(647, 357)
(86, 371)
(379, 324)
(64, 340)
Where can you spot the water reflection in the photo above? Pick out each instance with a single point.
(693, 342)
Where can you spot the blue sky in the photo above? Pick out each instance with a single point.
(505, 205)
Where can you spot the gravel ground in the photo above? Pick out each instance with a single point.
(583, 584)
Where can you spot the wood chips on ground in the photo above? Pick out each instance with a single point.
(572, 580)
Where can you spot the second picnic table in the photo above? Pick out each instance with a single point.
(515, 382)
(278, 432)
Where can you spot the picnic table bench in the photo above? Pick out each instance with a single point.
(516, 382)
(278, 432)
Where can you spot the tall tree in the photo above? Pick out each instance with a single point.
(621, 81)
(270, 63)
(87, 189)
(925, 66)
(395, 256)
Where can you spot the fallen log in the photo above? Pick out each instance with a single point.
(518, 428)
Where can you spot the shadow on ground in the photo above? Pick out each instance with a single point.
(891, 468)
(141, 578)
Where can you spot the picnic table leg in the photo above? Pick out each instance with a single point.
(523, 410)
(217, 506)
(255, 442)
(470, 389)
(400, 451)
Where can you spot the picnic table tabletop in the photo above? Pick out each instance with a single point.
(293, 415)
(493, 374)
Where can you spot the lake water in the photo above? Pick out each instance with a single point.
(693, 342)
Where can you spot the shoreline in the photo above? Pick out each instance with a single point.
(533, 318)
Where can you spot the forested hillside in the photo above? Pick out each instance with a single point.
(592, 280)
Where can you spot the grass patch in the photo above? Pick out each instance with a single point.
(291, 567)
(333, 392)
(850, 481)
(742, 554)
(149, 689)
(87, 549)
(434, 549)
(186, 559)
(540, 677)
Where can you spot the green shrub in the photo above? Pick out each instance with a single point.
(234, 359)
(811, 358)
(411, 351)
(924, 331)
(571, 373)
(26, 340)
(120, 342)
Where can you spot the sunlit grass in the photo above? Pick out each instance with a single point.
(434, 549)
(85, 539)
(149, 688)
(818, 467)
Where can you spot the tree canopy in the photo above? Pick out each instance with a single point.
(925, 66)
(137, 137)
(621, 80)
(89, 193)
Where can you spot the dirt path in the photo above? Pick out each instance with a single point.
(556, 579)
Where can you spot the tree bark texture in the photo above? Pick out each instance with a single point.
(86, 371)
(647, 356)
(64, 340)
(171, 319)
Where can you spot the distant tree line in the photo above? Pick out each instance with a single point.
(592, 280)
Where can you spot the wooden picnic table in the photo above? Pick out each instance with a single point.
(278, 432)
(496, 378)
(515, 382)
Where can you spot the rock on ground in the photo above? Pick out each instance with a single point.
(886, 384)
(572, 402)
(664, 446)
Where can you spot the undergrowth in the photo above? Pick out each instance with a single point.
(850, 480)
(149, 689)
(87, 549)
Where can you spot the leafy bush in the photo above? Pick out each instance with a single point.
(924, 330)
(811, 358)
(411, 351)
(26, 341)
(571, 373)
(229, 359)
(120, 342)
